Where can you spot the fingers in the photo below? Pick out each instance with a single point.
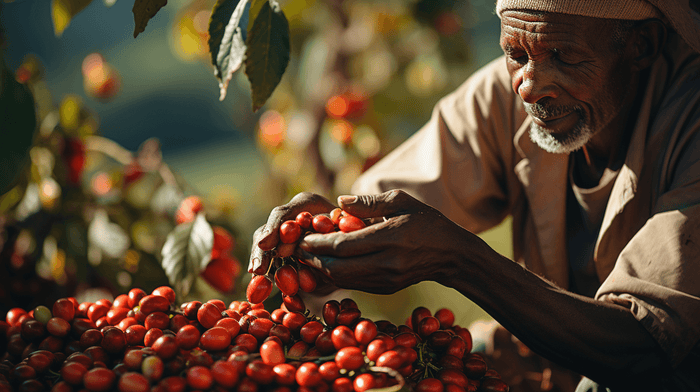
(315, 261)
(350, 273)
(371, 206)
(270, 235)
(260, 259)
(304, 201)
(368, 240)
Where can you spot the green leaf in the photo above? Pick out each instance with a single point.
(220, 18)
(17, 128)
(227, 43)
(255, 7)
(62, 11)
(143, 11)
(186, 252)
(267, 55)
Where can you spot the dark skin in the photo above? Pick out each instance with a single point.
(557, 60)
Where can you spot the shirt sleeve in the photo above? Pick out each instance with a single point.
(460, 161)
(657, 275)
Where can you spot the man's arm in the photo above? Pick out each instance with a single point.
(598, 339)
(416, 242)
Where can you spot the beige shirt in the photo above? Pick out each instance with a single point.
(475, 162)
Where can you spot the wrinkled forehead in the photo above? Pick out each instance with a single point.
(551, 26)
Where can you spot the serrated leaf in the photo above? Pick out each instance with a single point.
(17, 127)
(143, 11)
(62, 11)
(220, 17)
(267, 55)
(186, 251)
(230, 51)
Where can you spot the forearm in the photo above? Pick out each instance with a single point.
(598, 339)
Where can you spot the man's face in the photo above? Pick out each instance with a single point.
(570, 77)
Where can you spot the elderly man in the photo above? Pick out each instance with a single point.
(587, 132)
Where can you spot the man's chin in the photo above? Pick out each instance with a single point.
(559, 143)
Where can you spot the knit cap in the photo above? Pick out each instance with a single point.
(682, 15)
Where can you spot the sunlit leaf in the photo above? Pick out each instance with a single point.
(17, 127)
(186, 252)
(220, 18)
(107, 236)
(62, 11)
(227, 44)
(267, 55)
(143, 11)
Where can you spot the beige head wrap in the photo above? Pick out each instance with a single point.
(684, 19)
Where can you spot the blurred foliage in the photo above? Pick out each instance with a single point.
(359, 70)
(87, 213)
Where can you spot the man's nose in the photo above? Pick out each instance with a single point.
(537, 82)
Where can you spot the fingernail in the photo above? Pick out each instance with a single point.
(347, 199)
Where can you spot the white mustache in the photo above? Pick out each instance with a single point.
(545, 112)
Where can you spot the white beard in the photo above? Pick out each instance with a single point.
(577, 138)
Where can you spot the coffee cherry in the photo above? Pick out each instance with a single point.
(287, 280)
(290, 231)
(304, 219)
(322, 224)
(208, 314)
(258, 289)
(143, 342)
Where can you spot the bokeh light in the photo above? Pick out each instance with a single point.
(102, 184)
(300, 129)
(189, 33)
(272, 129)
(338, 106)
(100, 79)
(341, 131)
(366, 142)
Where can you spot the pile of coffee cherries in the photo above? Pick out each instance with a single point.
(143, 342)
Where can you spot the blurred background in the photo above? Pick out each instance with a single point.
(129, 127)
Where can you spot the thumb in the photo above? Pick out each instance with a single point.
(389, 203)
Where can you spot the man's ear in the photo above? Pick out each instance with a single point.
(649, 40)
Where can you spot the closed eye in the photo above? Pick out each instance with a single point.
(518, 56)
(565, 58)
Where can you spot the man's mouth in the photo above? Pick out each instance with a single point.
(557, 123)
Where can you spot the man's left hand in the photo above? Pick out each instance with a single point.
(411, 242)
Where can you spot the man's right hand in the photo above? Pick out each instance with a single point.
(266, 240)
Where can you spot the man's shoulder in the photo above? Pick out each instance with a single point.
(675, 108)
(487, 93)
(679, 78)
(491, 78)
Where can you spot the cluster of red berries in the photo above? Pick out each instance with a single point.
(143, 343)
(294, 275)
(427, 353)
(337, 219)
